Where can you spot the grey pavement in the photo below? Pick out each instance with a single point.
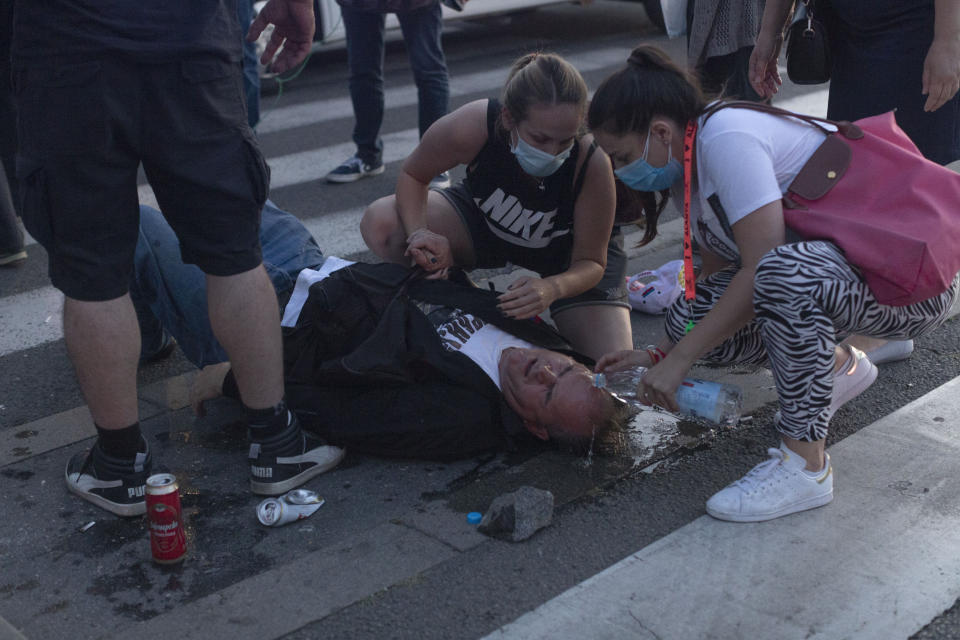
(390, 554)
(879, 562)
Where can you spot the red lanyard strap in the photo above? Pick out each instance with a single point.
(689, 284)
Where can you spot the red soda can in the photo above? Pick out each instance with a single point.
(168, 542)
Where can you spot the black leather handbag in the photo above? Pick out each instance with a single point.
(808, 50)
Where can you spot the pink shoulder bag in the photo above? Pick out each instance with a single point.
(869, 190)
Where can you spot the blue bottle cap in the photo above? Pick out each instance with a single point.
(474, 517)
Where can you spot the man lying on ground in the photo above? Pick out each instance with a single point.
(379, 359)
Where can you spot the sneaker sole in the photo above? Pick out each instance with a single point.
(122, 510)
(341, 178)
(14, 259)
(279, 488)
(893, 351)
(805, 505)
(852, 393)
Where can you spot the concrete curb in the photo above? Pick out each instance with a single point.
(7, 632)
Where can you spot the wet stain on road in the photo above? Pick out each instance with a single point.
(56, 607)
(16, 475)
(8, 590)
(230, 437)
(652, 436)
(137, 611)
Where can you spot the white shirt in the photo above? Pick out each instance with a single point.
(481, 342)
(746, 159)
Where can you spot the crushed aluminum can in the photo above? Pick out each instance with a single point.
(290, 507)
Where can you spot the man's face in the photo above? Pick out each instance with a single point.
(549, 390)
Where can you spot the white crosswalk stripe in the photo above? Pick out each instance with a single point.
(30, 318)
(299, 115)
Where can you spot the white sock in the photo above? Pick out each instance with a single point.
(814, 474)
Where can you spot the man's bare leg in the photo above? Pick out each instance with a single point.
(103, 342)
(246, 320)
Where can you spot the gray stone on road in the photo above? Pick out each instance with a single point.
(518, 515)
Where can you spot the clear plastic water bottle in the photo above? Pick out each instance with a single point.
(711, 401)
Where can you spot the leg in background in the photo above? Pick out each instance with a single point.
(595, 330)
(103, 342)
(245, 319)
(421, 33)
(365, 51)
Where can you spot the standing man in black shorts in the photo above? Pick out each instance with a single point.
(102, 87)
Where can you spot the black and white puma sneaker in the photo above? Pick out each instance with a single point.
(287, 460)
(115, 484)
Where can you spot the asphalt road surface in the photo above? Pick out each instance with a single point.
(606, 511)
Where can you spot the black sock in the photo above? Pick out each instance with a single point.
(121, 443)
(267, 423)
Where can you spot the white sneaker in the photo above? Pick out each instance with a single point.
(855, 377)
(891, 351)
(772, 489)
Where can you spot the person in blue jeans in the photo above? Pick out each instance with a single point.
(170, 297)
(421, 23)
(502, 370)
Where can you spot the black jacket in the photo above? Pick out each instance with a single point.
(366, 369)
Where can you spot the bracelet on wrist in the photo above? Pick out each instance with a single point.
(656, 353)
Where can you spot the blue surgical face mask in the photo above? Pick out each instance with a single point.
(639, 175)
(537, 163)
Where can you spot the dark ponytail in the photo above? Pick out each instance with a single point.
(650, 84)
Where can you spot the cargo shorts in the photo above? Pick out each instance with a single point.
(85, 127)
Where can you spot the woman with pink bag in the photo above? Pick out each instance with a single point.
(764, 294)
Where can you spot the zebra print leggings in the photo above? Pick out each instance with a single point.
(804, 294)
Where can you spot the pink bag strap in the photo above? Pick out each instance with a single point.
(847, 129)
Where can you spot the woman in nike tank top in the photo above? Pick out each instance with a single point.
(536, 195)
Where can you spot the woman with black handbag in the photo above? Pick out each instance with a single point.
(885, 55)
(759, 298)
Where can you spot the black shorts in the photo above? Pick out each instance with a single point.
(84, 129)
(490, 252)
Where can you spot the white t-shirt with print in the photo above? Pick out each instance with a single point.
(747, 159)
(481, 342)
